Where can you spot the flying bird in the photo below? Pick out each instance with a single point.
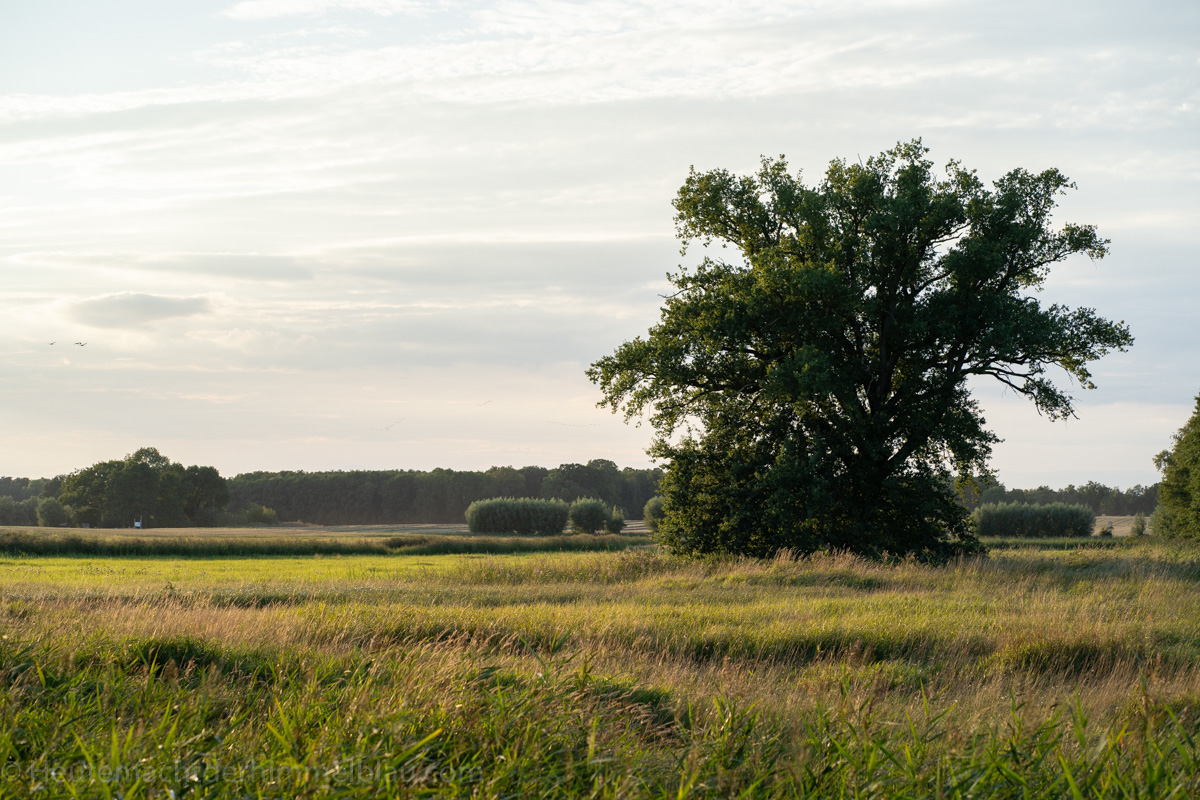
(52, 343)
(484, 403)
(81, 344)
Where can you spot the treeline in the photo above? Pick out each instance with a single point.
(1102, 500)
(32, 511)
(148, 486)
(366, 497)
(20, 489)
(21, 499)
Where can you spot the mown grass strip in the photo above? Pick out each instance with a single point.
(21, 543)
(417, 544)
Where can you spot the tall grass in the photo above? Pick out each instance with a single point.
(496, 545)
(196, 546)
(100, 545)
(176, 716)
(1035, 672)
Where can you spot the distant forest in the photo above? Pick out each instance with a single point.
(366, 497)
(441, 495)
(1101, 499)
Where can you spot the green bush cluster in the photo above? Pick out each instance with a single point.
(524, 515)
(653, 512)
(260, 515)
(1025, 520)
(51, 513)
(589, 515)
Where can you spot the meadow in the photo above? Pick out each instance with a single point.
(1040, 671)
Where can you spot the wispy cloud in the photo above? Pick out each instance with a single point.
(238, 266)
(271, 9)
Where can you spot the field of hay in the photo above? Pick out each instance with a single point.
(1049, 671)
(1122, 526)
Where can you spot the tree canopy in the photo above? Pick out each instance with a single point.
(1178, 512)
(813, 393)
(145, 485)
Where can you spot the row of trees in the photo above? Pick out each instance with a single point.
(442, 495)
(20, 489)
(1101, 499)
(46, 511)
(146, 485)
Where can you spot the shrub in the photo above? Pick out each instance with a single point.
(652, 512)
(615, 523)
(260, 515)
(1139, 525)
(51, 513)
(588, 515)
(1106, 530)
(1026, 520)
(523, 515)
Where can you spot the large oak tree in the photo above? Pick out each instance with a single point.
(813, 392)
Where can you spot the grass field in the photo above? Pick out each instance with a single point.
(305, 541)
(1038, 672)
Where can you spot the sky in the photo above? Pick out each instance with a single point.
(392, 234)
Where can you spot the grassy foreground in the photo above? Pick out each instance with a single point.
(1035, 673)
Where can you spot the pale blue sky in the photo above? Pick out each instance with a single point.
(320, 234)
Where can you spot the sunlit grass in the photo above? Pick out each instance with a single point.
(627, 673)
(249, 543)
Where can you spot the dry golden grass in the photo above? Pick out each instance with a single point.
(1121, 525)
(1108, 628)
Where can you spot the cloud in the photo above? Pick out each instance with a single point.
(245, 266)
(238, 266)
(132, 309)
(272, 9)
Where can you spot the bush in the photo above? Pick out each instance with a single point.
(652, 512)
(615, 523)
(523, 515)
(1106, 530)
(1139, 525)
(588, 516)
(1025, 520)
(51, 513)
(260, 515)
